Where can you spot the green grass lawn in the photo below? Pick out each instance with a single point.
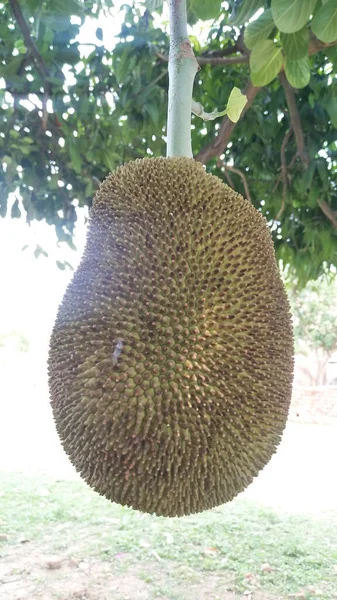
(232, 542)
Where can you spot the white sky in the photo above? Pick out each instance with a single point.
(31, 288)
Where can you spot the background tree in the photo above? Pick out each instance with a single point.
(69, 117)
(314, 311)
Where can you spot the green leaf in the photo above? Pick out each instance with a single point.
(295, 45)
(88, 189)
(331, 53)
(192, 18)
(259, 30)
(72, 7)
(195, 43)
(326, 243)
(308, 175)
(75, 155)
(25, 150)
(11, 67)
(15, 211)
(108, 161)
(99, 33)
(314, 193)
(311, 100)
(298, 72)
(206, 10)
(292, 15)
(246, 11)
(323, 173)
(153, 112)
(53, 185)
(265, 62)
(236, 103)
(55, 80)
(330, 106)
(83, 105)
(20, 46)
(153, 5)
(324, 23)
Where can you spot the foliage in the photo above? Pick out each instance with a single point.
(314, 310)
(70, 115)
(315, 315)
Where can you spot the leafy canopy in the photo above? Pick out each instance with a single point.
(71, 112)
(315, 316)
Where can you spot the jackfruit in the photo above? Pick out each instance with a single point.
(171, 359)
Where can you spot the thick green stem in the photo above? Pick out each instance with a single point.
(183, 67)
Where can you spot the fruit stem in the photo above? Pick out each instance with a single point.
(182, 69)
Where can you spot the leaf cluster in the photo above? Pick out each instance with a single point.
(61, 133)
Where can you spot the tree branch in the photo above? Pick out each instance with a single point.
(284, 174)
(228, 51)
(30, 44)
(219, 143)
(215, 60)
(295, 120)
(302, 152)
(182, 70)
(315, 45)
(331, 214)
(222, 165)
(220, 57)
(218, 60)
(229, 179)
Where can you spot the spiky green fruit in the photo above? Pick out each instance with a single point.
(171, 358)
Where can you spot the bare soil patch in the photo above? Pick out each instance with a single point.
(30, 572)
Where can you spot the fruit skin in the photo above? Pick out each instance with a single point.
(171, 359)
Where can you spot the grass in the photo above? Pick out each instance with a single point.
(235, 539)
